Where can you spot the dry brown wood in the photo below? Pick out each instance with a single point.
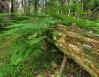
(83, 48)
(63, 65)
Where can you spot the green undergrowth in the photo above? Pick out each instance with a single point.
(25, 56)
(82, 23)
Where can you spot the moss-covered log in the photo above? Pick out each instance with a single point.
(81, 46)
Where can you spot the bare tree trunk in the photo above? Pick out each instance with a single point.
(12, 6)
(35, 7)
(4, 6)
(29, 6)
(69, 12)
(3, 9)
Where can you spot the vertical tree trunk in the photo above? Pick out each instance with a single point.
(12, 6)
(3, 9)
(35, 7)
(43, 4)
(3, 6)
(29, 6)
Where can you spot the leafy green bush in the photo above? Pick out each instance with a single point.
(18, 19)
(82, 23)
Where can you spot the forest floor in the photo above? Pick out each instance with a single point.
(21, 53)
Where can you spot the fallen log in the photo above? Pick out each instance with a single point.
(79, 45)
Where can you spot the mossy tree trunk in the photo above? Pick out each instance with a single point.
(81, 46)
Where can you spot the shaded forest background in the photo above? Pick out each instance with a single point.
(78, 8)
(74, 9)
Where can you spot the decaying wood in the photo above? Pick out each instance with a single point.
(63, 65)
(82, 47)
